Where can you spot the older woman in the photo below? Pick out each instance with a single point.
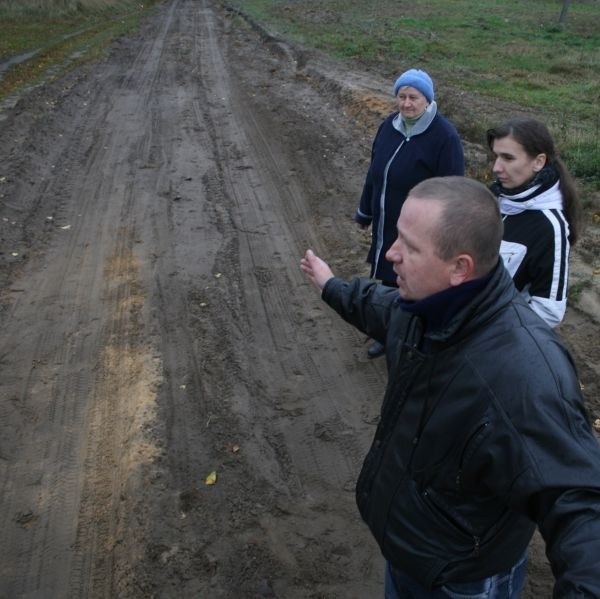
(412, 144)
(541, 211)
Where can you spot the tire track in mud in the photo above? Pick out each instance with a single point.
(76, 372)
(304, 431)
(52, 368)
(127, 447)
(223, 376)
(262, 185)
(176, 328)
(247, 203)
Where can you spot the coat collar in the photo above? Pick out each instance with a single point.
(420, 126)
(496, 293)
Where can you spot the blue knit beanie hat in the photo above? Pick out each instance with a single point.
(418, 79)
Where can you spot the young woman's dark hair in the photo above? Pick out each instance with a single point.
(535, 139)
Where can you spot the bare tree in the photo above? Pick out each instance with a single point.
(563, 12)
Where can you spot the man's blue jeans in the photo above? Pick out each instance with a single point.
(505, 585)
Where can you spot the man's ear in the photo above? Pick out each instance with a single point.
(462, 270)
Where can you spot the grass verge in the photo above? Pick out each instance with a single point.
(42, 38)
(509, 51)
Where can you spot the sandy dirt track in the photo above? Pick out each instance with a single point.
(156, 326)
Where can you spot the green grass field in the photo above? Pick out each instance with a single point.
(506, 50)
(501, 50)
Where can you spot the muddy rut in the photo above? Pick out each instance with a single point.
(163, 331)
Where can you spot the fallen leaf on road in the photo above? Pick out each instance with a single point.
(597, 424)
(65, 227)
(211, 479)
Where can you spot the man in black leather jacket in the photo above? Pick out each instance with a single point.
(483, 432)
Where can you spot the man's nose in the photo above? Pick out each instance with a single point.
(394, 254)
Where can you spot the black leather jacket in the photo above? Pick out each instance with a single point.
(480, 438)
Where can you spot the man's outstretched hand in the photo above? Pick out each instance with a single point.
(317, 271)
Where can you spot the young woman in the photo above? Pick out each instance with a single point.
(412, 144)
(541, 211)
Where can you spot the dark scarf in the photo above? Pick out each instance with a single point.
(542, 181)
(437, 310)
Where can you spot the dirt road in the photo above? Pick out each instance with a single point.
(156, 326)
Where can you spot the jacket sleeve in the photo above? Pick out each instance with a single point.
(364, 213)
(451, 158)
(550, 310)
(540, 455)
(551, 466)
(571, 529)
(564, 501)
(567, 506)
(363, 303)
(548, 270)
(544, 271)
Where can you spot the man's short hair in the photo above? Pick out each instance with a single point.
(470, 220)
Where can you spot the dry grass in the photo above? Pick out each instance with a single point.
(54, 5)
(42, 38)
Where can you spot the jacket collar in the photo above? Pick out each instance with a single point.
(551, 198)
(495, 294)
(438, 309)
(420, 126)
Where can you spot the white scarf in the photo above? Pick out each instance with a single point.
(551, 198)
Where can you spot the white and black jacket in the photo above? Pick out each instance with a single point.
(535, 249)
